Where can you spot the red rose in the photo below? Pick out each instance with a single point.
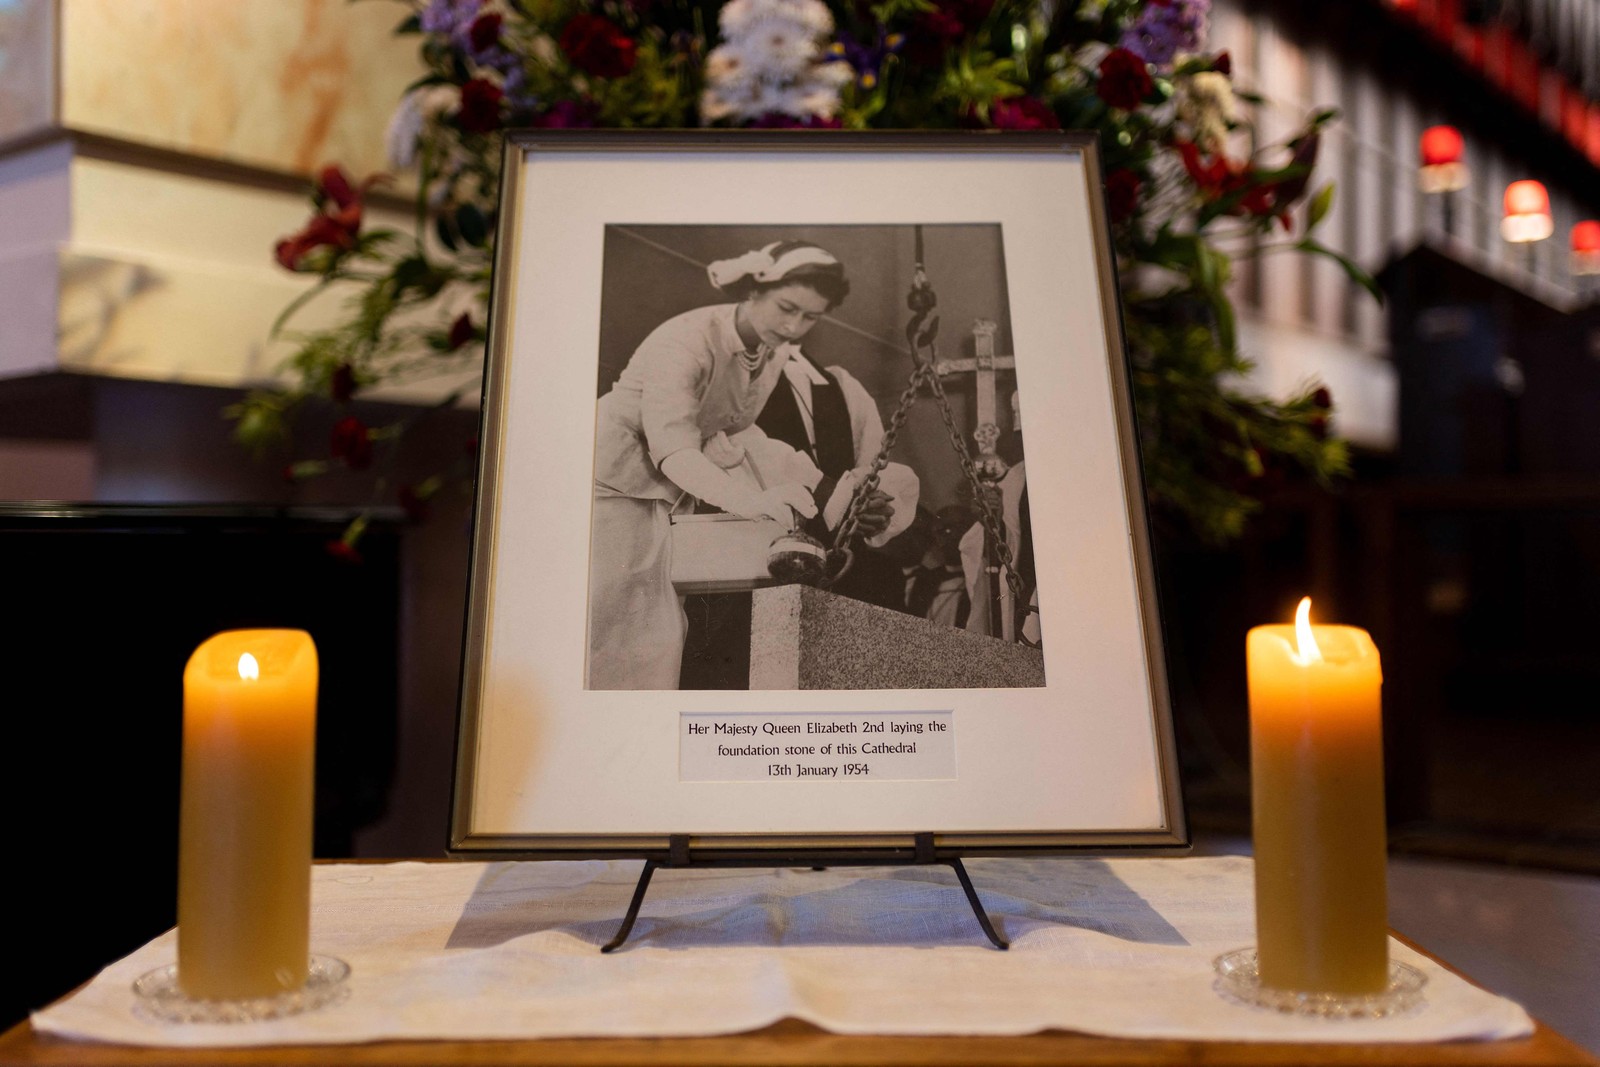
(461, 332)
(936, 32)
(352, 442)
(480, 106)
(1223, 64)
(342, 383)
(1322, 398)
(597, 46)
(484, 33)
(1122, 193)
(414, 504)
(1125, 81)
(342, 552)
(1023, 113)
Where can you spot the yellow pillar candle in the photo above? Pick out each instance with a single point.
(244, 855)
(1316, 750)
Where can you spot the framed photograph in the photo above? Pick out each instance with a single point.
(761, 559)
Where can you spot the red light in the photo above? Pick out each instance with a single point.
(1527, 213)
(1586, 248)
(1440, 144)
(1586, 237)
(1527, 198)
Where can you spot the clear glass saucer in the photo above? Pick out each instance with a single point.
(161, 997)
(1239, 980)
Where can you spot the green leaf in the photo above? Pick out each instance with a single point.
(472, 224)
(1351, 268)
(444, 227)
(1320, 206)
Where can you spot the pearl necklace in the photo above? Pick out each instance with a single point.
(753, 361)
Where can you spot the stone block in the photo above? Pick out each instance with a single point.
(805, 638)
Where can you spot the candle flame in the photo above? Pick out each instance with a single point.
(1305, 642)
(249, 669)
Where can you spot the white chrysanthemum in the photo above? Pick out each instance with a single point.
(1208, 105)
(726, 64)
(814, 16)
(771, 60)
(415, 110)
(544, 48)
(714, 107)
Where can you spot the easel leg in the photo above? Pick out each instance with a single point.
(633, 908)
(977, 906)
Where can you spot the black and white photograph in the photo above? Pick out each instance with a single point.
(833, 407)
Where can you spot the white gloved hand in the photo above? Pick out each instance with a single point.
(780, 503)
(695, 474)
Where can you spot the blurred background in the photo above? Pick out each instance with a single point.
(151, 155)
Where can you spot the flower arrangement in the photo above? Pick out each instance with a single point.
(1187, 189)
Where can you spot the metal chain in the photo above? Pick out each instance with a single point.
(925, 371)
(852, 516)
(991, 521)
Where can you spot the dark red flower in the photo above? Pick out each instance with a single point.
(416, 507)
(1223, 64)
(351, 441)
(342, 383)
(1304, 156)
(1125, 81)
(461, 332)
(597, 46)
(1322, 398)
(1122, 193)
(336, 224)
(1318, 425)
(567, 115)
(935, 32)
(1023, 113)
(480, 106)
(484, 33)
(320, 232)
(342, 552)
(1222, 178)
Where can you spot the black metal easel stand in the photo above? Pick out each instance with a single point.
(921, 853)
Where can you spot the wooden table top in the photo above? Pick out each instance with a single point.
(791, 1042)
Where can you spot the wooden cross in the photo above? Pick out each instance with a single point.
(986, 431)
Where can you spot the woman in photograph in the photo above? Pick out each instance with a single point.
(662, 438)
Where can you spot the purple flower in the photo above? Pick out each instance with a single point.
(1166, 27)
(778, 120)
(866, 60)
(566, 114)
(451, 18)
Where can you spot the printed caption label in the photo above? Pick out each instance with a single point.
(804, 746)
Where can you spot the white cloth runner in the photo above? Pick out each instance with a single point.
(1120, 947)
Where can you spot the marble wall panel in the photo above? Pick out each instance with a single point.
(27, 67)
(284, 84)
